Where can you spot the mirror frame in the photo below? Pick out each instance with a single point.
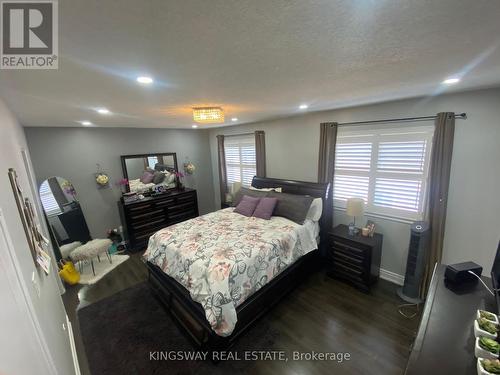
(125, 157)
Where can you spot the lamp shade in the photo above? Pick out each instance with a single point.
(355, 207)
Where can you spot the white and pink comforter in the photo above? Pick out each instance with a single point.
(222, 258)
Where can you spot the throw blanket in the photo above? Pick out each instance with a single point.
(222, 258)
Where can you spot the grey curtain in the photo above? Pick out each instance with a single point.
(222, 168)
(326, 159)
(326, 167)
(439, 180)
(260, 153)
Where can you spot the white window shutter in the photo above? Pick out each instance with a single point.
(49, 203)
(386, 167)
(240, 156)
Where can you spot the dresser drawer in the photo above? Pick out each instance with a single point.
(182, 216)
(189, 206)
(189, 197)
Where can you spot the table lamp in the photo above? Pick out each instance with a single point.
(355, 207)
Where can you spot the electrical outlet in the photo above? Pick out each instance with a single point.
(34, 282)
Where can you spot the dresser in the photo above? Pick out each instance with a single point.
(142, 218)
(355, 259)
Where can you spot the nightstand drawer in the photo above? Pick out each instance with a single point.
(348, 260)
(349, 250)
(353, 270)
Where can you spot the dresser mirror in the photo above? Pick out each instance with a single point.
(146, 172)
(64, 213)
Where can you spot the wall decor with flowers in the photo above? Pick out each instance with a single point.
(101, 178)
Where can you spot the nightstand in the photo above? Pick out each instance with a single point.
(355, 259)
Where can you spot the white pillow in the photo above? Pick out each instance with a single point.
(315, 210)
(276, 189)
(169, 177)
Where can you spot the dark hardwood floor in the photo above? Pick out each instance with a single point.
(322, 315)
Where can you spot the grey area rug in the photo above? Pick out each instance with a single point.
(119, 333)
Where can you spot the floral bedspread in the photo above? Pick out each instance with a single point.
(222, 258)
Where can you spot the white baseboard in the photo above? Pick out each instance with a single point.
(392, 277)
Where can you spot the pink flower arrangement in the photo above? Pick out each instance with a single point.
(122, 182)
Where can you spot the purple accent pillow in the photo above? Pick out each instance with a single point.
(147, 177)
(247, 205)
(265, 208)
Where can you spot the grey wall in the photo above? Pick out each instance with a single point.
(32, 339)
(73, 153)
(473, 220)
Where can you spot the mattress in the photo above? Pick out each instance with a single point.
(222, 258)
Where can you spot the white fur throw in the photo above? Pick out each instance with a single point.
(90, 250)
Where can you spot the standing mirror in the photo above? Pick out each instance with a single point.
(145, 172)
(64, 214)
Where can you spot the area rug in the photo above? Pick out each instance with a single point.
(127, 332)
(101, 268)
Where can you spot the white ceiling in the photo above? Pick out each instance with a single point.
(257, 59)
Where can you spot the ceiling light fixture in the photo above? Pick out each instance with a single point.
(103, 111)
(194, 126)
(451, 81)
(234, 119)
(85, 123)
(145, 80)
(208, 115)
(303, 106)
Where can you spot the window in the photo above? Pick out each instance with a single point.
(387, 168)
(152, 161)
(49, 203)
(240, 159)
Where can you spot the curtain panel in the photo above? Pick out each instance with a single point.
(326, 159)
(326, 162)
(222, 168)
(439, 181)
(260, 153)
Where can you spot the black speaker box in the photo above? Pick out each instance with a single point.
(459, 273)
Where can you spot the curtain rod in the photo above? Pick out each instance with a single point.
(462, 116)
(239, 134)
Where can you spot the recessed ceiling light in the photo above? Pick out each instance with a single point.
(194, 126)
(234, 119)
(103, 111)
(451, 81)
(303, 106)
(85, 123)
(145, 80)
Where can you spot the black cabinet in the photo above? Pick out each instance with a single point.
(355, 259)
(142, 218)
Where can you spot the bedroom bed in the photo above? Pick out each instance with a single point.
(217, 303)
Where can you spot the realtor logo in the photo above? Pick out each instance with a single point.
(29, 35)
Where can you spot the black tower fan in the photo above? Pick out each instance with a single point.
(415, 264)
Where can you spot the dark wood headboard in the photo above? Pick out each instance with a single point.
(314, 189)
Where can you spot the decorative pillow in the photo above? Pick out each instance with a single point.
(265, 208)
(158, 177)
(147, 177)
(315, 210)
(169, 177)
(247, 205)
(276, 189)
(292, 206)
(245, 191)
